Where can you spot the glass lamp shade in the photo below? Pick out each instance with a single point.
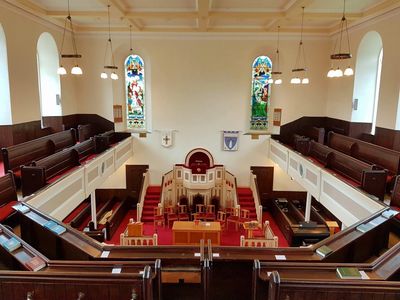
(61, 71)
(295, 80)
(76, 70)
(114, 76)
(270, 80)
(305, 81)
(339, 73)
(331, 73)
(103, 75)
(348, 72)
(278, 81)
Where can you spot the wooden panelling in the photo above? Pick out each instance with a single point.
(134, 177)
(265, 181)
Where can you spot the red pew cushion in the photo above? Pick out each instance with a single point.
(6, 210)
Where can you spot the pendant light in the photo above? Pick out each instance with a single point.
(112, 66)
(300, 69)
(278, 79)
(76, 70)
(338, 56)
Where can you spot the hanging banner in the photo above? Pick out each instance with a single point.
(260, 93)
(166, 138)
(230, 140)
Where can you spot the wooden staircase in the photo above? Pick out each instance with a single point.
(246, 201)
(151, 200)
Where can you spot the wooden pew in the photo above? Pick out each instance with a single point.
(395, 198)
(8, 196)
(38, 175)
(310, 289)
(81, 285)
(70, 245)
(320, 152)
(370, 153)
(85, 149)
(371, 180)
(85, 132)
(301, 144)
(25, 153)
(316, 133)
(105, 140)
(19, 258)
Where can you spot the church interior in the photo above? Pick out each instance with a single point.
(199, 149)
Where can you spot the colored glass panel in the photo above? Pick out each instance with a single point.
(135, 92)
(260, 93)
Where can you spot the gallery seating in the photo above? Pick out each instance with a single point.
(105, 140)
(8, 196)
(23, 154)
(41, 171)
(85, 149)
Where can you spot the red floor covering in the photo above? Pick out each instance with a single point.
(229, 237)
(1, 169)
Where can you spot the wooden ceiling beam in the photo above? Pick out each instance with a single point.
(203, 14)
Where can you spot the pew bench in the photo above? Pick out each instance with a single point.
(42, 171)
(105, 140)
(8, 196)
(315, 133)
(85, 149)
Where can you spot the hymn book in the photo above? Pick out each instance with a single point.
(53, 226)
(35, 264)
(348, 273)
(324, 251)
(11, 244)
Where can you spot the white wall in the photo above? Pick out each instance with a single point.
(23, 31)
(340, 91)
(5, 101)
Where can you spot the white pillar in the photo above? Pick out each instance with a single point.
(308, 208)
(93, 208)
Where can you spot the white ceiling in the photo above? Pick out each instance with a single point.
(321, 16)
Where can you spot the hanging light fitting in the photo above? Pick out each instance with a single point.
(76, 70)
(300, 66)
(112, 66)
(278, 79)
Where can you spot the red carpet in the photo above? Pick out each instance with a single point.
(1, 169)
(229, 236)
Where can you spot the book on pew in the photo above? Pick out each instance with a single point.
(3, 239)
(348, 273)
(324, 251)
(365, 227)
(53, 226)
(389, 213)
(11, 244)
(35, 264)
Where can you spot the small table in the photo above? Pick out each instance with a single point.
(188, 233)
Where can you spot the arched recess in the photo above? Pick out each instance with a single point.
(49, 80)
(5, 99)
(367, 79)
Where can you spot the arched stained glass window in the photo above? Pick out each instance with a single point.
(135, 92)
(260, 93)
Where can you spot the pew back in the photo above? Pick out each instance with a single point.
(341, 143)
(63, 139)
(7, 189)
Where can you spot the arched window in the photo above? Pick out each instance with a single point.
(5, 100)
(260, 93)
(367, 79)
(49, 80)
(135, 92)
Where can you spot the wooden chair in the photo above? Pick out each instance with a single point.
(244, 216)
(221, 218)
(234, 218)
(158, 216)
(171, 214)
(210, 213)
(183, 213)
(200, 212)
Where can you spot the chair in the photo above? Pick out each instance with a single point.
(183, 213)
(234, 218)
(221, 218)
(200, 212)
(210, 213)
(229, 209)
(158, 216)
(171, 214)
(244, 216)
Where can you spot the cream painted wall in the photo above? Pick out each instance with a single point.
(340, 91)
(22, 31)
(199, 87)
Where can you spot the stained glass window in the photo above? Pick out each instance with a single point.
(135, 92)
(260, 93)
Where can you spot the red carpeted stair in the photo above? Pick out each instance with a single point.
(246, 201)
(153, 195)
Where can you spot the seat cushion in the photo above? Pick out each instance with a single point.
(6, 210)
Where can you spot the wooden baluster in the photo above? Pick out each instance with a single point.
(81, 296)
(29, 295)
(134, 295)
